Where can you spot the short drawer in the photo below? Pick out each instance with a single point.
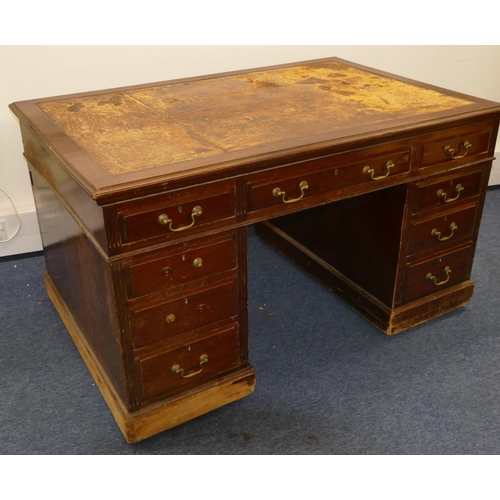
(456, 146)
(447, 228)
(169, 319)
(179, 213)
(191, 364)
(167, 270)
(299, 182)
(447, 190)
(424, 278)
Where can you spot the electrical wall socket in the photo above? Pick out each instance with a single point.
(3, 231)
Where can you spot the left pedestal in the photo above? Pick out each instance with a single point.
(163, 330)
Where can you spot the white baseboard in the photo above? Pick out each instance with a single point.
(26, 240)
(495, 171)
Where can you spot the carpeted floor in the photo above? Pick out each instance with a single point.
(327, 381)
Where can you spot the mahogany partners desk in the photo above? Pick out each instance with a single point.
(373, 182)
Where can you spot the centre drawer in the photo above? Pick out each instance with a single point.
(300, 182)
(169, 319)
(190, 364)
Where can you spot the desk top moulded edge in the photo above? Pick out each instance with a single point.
(259, 101)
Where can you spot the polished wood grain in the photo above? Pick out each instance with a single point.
(222, 354)
(139, 223)
(178, 268)
(328, 175)
(434, 145)
(447, 228)
(187, 313)
(427, 191)
(83, 282)
(437, 273)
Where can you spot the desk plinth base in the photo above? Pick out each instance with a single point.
(390, 321)
(164, 415)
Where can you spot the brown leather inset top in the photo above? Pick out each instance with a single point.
(140, 128)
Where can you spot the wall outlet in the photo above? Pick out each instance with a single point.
(3, 231)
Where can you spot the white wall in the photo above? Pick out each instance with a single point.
(29, 72)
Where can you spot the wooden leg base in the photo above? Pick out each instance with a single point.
(164, 415)
(158, 418)
(422, 310)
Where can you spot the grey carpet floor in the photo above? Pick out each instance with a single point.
(327, 381)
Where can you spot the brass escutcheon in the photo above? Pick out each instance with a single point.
(435, 232)
(277, 192)
(164, 219)
(441, 194)
(447, 271)
(449, 151)
(180, 371)
(370, 171)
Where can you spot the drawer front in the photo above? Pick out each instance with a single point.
(169, 319)
(447, 190)
(164, 271)
(433, 275)
(447, 228)
(298, 183)
(178, 214)
(456, 146)
(191, 364)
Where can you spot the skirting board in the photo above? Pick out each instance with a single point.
(26, 240)
(495, 171)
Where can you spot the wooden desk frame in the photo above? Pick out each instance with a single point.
(147, 262)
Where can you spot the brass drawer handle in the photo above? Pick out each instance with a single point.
(277, 192)
(198, 262)
(448, 151)
(435, 232)
(164, 219)
(370, 171)
(441, 194)
(447, 270)
(170, 318)
(180, 371)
